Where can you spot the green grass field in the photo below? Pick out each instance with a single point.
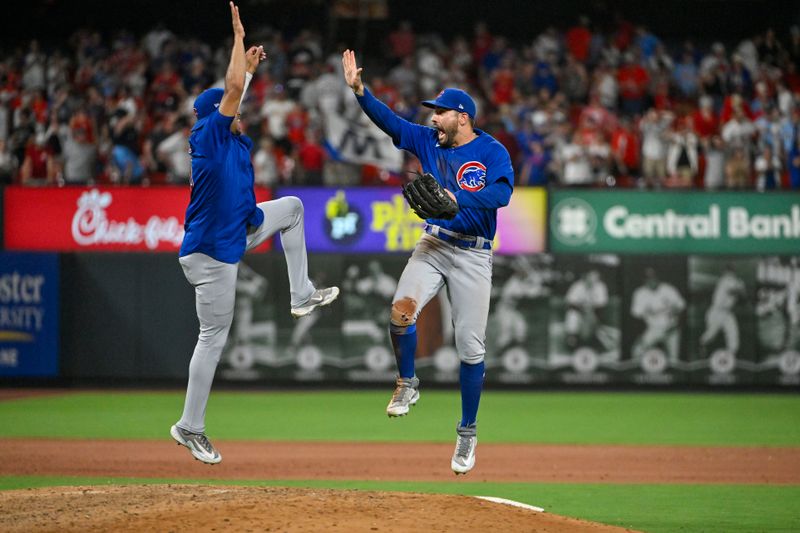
(548, 418)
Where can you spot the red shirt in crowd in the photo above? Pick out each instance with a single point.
(311, 156)
(578, 39)
(625, 144)
(706, 123)
(633, 80)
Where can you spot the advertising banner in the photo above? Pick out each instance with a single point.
(29, 320)
(777, 320)
(516, 332)
(378, 219)
(674, 222)
(721, 318)
(653, 319)
(97, 218)
(584, 319)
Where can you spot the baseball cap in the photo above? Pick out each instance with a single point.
(207, 101)
(455, 99)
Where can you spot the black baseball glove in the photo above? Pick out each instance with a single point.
(428, 199)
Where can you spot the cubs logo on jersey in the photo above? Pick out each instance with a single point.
(471, 176)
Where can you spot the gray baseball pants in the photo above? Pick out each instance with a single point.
(467, 273)
(214, 284)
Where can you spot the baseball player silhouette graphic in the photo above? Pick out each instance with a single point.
(467, 177)
(222, 222)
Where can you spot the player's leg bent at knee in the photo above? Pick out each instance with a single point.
(286, 215)
(403, 331)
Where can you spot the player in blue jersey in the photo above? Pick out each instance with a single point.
(476, 172)
(222, 222)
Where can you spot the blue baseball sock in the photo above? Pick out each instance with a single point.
(404, 342)
(471, 377)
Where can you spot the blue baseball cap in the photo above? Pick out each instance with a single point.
(207, 101)
(455, 99)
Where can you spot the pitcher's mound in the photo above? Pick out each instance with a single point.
(225, 508)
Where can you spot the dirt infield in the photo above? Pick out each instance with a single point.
(226, 508)
(221, 508)
(140, 508)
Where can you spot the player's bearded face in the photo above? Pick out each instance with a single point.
(446, 123)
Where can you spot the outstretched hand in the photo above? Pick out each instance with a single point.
(352, 74)
(253, 57)
(238, 29)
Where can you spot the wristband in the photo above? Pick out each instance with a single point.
(247, 78)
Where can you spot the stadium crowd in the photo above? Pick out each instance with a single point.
(577, 106)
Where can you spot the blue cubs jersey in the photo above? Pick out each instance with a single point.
(478, 173)
(222, 202)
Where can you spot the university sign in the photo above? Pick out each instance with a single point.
(674, 222)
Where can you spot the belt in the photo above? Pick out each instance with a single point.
(458, 239)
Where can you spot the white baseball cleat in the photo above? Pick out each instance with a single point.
(464, 455)
(406, 394)
(319, 298)
(198, 444)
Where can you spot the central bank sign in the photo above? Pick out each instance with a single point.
(674, 222)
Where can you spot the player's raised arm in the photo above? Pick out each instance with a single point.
(234, 77)
(352, 74)
(378, 112)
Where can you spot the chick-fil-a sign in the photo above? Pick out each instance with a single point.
(97, 218)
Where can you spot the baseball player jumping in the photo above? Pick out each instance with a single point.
(222, 222)
(456, 248)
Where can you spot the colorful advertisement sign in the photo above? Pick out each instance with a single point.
(98, 218)
(29, 325)
(372, 220)
(674, 222)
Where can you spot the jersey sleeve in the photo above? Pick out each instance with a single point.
(404, 134)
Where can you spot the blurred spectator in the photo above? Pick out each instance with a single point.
(38, 166)
(311, 158)
(578, 38)
(739, 131)
(633, 81)
(654, 127)
(770, 50)
(705, 119)
(173, 152)
(574, 80)
(79, 152)
(125, 153)
(8, 165)
(682, 154)
(768, 169)
(686, 76)
(274, 111)
(794, 165)
(265, 165)
(402, 41)
(714, 177)
(737, 169)
(576, 167)
(535, 166)
(624, 152)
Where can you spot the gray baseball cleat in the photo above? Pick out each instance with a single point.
(464, 456)
(198, 444)
(319, 298)
(406, 394)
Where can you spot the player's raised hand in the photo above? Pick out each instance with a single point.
(253, 56)
(238, 29)
(352, 74)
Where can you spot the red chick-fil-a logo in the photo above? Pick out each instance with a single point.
(91, 226)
